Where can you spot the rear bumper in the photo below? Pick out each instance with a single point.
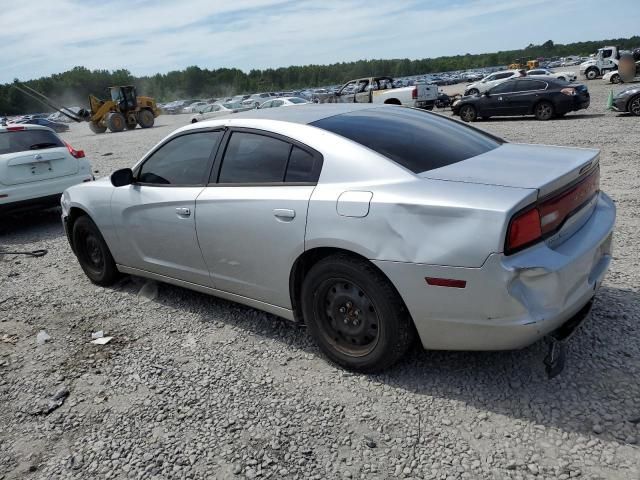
(40, 202)
(33, 194)
(511, 301)
(428, 104)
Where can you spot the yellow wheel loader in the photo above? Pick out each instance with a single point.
(124, 110)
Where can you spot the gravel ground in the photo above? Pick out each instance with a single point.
(196, 387)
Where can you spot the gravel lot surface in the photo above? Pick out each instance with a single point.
(196, 387)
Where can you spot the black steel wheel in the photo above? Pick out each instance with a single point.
(92, 252)
(350, 321)
(544, 111)
(634, 106)
(468, 113)
(354, 314)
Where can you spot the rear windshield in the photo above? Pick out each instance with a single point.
(23, 140)
(417, 140)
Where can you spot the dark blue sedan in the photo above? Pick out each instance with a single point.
(55, 126)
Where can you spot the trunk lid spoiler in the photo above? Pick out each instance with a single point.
(540, 167)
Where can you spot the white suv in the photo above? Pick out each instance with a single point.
(36, 166)
(490, 81)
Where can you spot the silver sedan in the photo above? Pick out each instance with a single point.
(374, 225)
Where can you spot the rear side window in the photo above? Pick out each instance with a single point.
(26, 140)
(528, 85)
(301, 166)
(252, 158)
(417, 140)
(183, 160)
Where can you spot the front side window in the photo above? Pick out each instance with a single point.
(183, 160)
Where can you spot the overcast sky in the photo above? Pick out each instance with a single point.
(41, 37)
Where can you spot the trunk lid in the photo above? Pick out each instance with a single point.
(540, 167)
(36, 165)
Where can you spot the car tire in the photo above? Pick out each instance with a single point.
(544, 111)
(355, 314)
(93, 253)
(473, 91)
(96, 128)
(468, 113)
(146, 118)
(591, 73)
(634, 106)
(194, 121)
(616, 78)
(116, 122)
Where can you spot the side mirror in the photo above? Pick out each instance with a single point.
(122, 177)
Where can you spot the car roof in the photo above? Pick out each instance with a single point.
(304, 114)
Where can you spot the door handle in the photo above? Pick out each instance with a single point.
(183, 212)
(284, 213)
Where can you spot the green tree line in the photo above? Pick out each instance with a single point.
(74, 86)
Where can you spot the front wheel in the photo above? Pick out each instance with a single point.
(355, 315)
(615, 78)
(468, 113)
(544, 111)
(473, 91)
(592, 74)
(92, 252)
(116, 122)
(97, 128)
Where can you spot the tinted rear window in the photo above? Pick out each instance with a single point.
(24, 140)
(417, 140)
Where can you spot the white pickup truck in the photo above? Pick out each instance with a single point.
(380, 90)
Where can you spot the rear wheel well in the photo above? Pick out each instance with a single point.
(392, 101)
(305, 262)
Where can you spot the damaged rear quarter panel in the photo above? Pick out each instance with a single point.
(419, 221)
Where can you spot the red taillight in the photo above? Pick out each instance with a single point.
(74, 153)
(414, 93)
(15, 129)
(548, 215)
(554, 211)
(524, 230)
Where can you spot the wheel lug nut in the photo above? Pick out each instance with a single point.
(342, 309)
(346, 320)
(349, 304)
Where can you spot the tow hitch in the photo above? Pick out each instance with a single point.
(555, 360)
